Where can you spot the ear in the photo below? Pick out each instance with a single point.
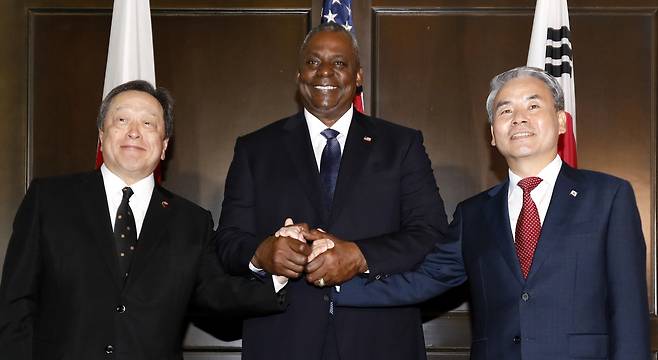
(359, 77)
(493, 137)
(562, 121)
(165, 142)
(100, 138)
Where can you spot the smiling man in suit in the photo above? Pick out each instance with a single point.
(554, 256)
(106, 264)
(367, 182)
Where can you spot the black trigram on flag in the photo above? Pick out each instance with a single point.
(558, 52)
(550, 49)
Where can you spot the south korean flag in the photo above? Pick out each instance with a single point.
(550, 49)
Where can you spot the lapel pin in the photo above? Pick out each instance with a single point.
(165, 204)
(367, 139)
(573, 193)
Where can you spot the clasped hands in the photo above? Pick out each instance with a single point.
(296, 249)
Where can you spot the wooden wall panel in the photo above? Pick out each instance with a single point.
(231, 73)
(67, 68)
(431, 73)
(13, 107)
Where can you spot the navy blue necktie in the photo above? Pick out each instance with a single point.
(329, 165)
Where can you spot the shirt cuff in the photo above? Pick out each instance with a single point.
(279, 282)
(253, 268)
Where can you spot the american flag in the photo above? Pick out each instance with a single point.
(340, 12)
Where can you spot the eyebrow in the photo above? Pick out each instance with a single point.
(154, 114)
(506, 102)
(501, 103)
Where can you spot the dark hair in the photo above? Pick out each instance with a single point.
(501, 79)
(331, 27)
(161, 94)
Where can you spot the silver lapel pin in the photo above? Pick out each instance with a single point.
(573, 193)
(367, 139)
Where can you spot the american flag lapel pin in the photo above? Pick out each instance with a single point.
(573, 193)
(165, 204)
(367, 139)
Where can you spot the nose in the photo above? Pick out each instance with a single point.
(519, 118)
(133, 131)
(325, 69)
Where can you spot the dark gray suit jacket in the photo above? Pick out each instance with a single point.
(585, 296)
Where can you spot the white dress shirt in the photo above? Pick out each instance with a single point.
(315, 128)
(541, 195)
(139, 201)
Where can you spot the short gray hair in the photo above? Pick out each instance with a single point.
(161, 94)
(501, 79)
(331, 27)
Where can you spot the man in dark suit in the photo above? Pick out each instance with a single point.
(370, 188)
(106, 265)
(555, 272)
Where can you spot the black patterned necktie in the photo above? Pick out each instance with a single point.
(125, 232)
(329, 165)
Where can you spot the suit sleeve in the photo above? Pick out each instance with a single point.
(237, 242)
(422, 218)
(19, 290)
(628, 307)
(441, 270)
(232, 296)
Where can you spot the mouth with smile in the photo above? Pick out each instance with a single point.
(522, 135)
(132, 148)
(324, 87)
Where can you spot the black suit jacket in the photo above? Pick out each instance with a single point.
(386, 200)
(62, 296)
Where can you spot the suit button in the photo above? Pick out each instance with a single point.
(517, 339)
(121, 309)
(525, 296)
(326, 298)
(109, 349)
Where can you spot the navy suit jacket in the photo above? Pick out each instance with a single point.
(585, 295)
(64, 297)
(386, 201)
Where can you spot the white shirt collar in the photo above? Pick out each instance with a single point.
(548, 174)
(315, 126)
(139, 201)
(114, 184)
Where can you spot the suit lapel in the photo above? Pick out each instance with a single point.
(559, 209)
(355, 155)
(97, 216)
(156, 221)
(497, 213)
(300, 152)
